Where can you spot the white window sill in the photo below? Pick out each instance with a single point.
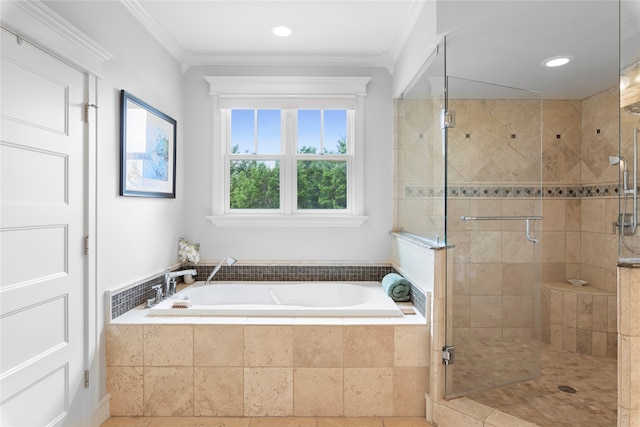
(287, 220)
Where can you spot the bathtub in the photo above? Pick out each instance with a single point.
(314, 299)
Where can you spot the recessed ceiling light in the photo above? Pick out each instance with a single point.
(556, 61)
(281, 31)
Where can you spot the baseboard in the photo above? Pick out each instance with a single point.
(102, 412)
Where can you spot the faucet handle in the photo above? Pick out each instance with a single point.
(158, 289)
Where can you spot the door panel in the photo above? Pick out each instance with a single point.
(41, 239)
(51, 191)
(493, 229)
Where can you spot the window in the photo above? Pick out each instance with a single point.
(283, 158)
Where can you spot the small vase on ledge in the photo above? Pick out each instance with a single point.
(188, 279)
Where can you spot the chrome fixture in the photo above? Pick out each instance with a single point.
(628, 223)
(527, 219)
(157, 298)
(170, 280)
(230, 261)
(614, 160)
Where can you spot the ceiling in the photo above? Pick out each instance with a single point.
(495, 41)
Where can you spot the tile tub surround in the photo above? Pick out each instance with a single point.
(138, 293)
(266, 422)
(579, 319)
(235, 370)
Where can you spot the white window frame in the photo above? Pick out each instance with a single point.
(287, 93)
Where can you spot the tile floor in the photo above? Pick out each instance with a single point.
(539, 401)
(263, 422)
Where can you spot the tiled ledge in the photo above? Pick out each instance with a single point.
(138, 316)
(586, 289)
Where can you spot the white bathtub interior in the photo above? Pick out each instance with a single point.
(298, 299)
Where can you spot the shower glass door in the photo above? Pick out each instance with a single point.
(493, 234)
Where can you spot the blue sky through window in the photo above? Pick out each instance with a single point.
(243, 131)
(335, 128)
(309, 129)
(268, 131)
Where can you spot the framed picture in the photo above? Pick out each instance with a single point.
(147, 150)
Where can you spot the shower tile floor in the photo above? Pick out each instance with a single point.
(539, 401)
(264, 422)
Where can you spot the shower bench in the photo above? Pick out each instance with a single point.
(579, 319)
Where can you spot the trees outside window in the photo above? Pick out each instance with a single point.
(262, 156)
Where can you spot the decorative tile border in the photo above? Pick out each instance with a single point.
(577, 191)
(125, 300)
(134, 296)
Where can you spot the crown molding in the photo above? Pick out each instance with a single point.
(151, 25)
(37, 23)
(287, 85)
(409, 22)
(189, 59)
(196, 59)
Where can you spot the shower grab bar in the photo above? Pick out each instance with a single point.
(527, 219)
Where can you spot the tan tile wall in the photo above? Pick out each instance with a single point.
(577, 137)
(491, 270)
(629, 348)
(496, 142)
(273, 370)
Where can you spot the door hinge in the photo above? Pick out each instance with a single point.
(448, 354)
(86, 111)
(447, 119)
(86, 379)
(86, 245)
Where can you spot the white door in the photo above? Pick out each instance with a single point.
(42, 312)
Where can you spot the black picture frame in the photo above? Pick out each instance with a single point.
(147, 150)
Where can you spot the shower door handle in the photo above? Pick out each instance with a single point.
(529, 238)
(527, 220)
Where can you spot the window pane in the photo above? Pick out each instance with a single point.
(308, 131)
(242, 131)
(335, 131)
(268, 131)
(322, 184)
(254, 184)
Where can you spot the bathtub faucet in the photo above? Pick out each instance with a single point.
(230, 261)
(170, 280)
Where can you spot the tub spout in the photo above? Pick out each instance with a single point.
(230, 261)
(170, 280)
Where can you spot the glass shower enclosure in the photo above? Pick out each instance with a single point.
(469, 182)
(627, 159)
(493, 235)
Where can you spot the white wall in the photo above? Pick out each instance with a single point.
(415, 262)
(137, 237)
(368, 243)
